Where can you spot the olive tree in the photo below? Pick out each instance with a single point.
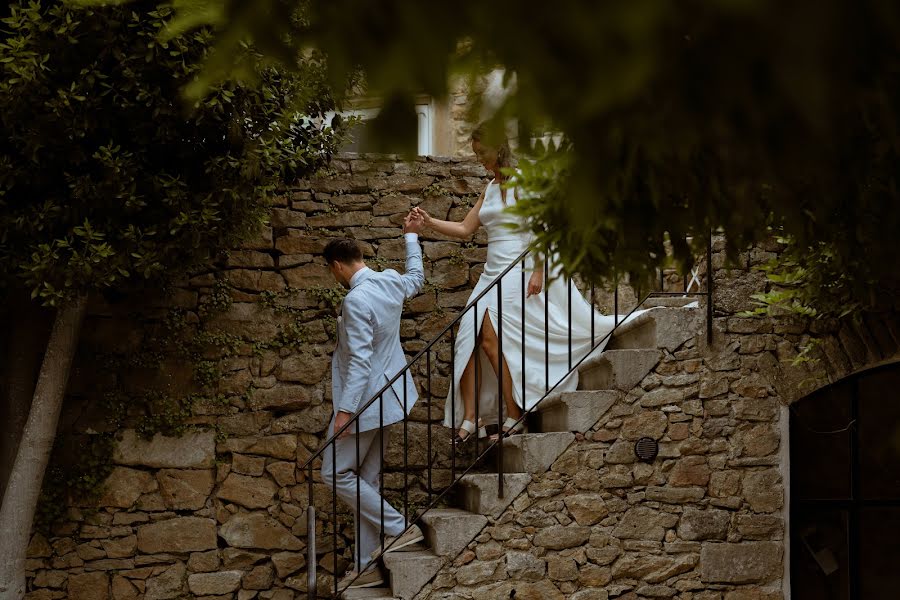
(109, 179)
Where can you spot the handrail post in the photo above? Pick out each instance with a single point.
(358, 502)
(381, 438)
(334, 524)
(405, 453)
(500, 387)
(430, 400)
(453, 405)
(311, 543)
(476, 354)
(709, 290)
(522, 350)
(546, 325)
(616, 301)
(569, 304)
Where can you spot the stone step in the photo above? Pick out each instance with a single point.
(410, 571)
(534, 452)
(669, 301)
(617, 369)
(375, 593)
(660, 327)
(477, 492)
(449, 530)
(574, 411)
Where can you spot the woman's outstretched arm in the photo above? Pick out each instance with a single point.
(462, 230)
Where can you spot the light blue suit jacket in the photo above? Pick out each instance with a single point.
(368, 352)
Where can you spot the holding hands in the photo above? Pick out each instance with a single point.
(422, 215)
(418, 219)
(413, 222)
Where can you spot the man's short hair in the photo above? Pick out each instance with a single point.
(345, 250)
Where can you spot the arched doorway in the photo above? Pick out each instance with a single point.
(845, 489)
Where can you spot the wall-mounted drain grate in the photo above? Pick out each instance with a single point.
(646, 449)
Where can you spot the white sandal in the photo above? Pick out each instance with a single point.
(469, 428)
(510, 427)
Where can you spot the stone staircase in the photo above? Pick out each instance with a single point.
(630, 355)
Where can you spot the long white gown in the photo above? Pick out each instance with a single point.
(505, 245)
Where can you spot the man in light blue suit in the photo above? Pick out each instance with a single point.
(368, 355)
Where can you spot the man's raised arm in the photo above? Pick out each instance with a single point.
(414, 278)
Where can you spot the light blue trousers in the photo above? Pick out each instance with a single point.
(359, 483)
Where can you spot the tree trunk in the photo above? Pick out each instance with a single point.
(24, 488)
(28, 331)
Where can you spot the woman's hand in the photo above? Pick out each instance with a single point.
(420, 213)
(535, 283)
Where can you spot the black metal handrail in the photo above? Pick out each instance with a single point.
(426, 351)
(409, 364)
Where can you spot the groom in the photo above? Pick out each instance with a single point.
(367, 356)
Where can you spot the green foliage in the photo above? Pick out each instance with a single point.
(381, 263)
(79, 465)
(292, 335)
(166, 414)
(206, 372)
(456, 257)
(817, 282)
(806, 355)
(218, 301)
(677, 118)
(330, 208)
(106, 177)
(432, 190)
(330, 296)
(330, 324)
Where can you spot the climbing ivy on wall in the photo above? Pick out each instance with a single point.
(82, 462)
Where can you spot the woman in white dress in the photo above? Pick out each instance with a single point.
(546, 351)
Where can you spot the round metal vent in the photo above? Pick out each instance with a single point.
(646, 449)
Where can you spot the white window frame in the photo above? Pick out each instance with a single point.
(424, 122)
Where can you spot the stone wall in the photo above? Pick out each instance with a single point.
(702, 521)
(217, 389)
(706, 519)
(837, 348)
(236, 360)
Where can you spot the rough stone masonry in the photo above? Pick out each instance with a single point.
(217, 512)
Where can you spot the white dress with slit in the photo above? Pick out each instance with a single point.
(543, 339)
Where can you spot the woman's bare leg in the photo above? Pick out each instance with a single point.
(467, 391)
(487, 341)
(491, 347)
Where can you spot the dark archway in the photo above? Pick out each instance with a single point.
(845, 489)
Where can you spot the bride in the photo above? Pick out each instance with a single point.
(527, 372)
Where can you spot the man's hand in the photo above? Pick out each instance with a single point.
(341, 419)
(413, 223)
